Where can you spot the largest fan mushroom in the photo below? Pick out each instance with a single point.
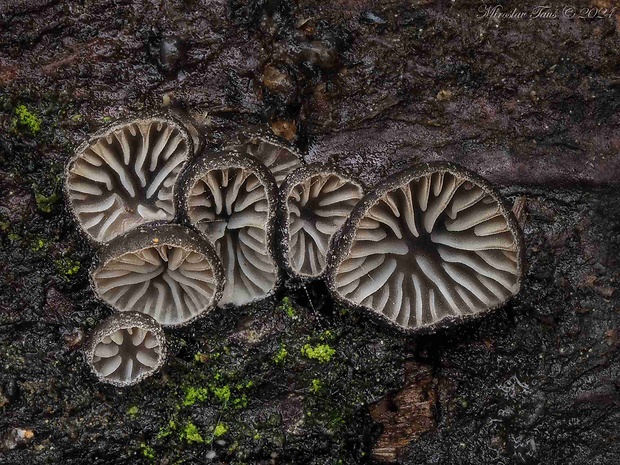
(230, 198)
(125, 176)
(431, 244)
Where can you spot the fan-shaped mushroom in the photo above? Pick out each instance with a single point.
(315, 201)
(166, 271)
(432, 243)
(275, 154)
(230, 197)
(126, 348)
(125, 176)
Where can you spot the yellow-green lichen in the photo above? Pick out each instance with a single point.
(316, 385)
(167, 430)
(280, 357)
(147, 451)
(287, 307)
(220, 430)
(39, 245)
(14, 237)
(190, 434)
(195, 394)
(25, 120)
(222, 393)
(45, 203)
(323, 353)
(67, 267)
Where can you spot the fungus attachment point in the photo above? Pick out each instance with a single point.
(316, 201)
(275, 154)
(432, 243)
(174, 279)
(231, 198)
(126, 348)
(125, 176)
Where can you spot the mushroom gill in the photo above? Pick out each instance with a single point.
(230, 197)
(432, 243)
(168, 272)
(126, 348)
(275, 154)
(125, 176)
(316, 200)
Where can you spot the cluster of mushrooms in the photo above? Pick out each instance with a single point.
(180, 232)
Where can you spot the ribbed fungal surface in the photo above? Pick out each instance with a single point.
(167, 272)
(126, 348)
(316, 200)
(125, 176)
(230, 197)
(431, 243)
(279, 157)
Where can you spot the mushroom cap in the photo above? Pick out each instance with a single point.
(315, 201)
(231, 198)
(125, 176)
(277, 155)
(431, 245)
(126, 348)
(167, 271)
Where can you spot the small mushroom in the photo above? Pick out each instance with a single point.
(230, 197)
(274, 153)
(126, 348)
(434, 243)
(315, 202)
(167, 271)
(124, 176)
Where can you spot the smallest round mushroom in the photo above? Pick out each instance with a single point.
(126, 348)
(315, 201)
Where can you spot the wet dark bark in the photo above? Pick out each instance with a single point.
(531, 104)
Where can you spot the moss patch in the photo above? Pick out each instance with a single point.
(190, 434)
(25, 121)
(323, 353)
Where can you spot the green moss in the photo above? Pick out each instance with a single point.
(323, 353)
(133, 411)
(200, 357)
(222, 393)
(26, 121)
(37, 245)
(280, 357)
(240, 402)
(195, 394)
(147, 451)
(67, 267)
(190, 434)
(45, 203)
(287, 307)
(167, 430)
(317, 385)
(14, 237)
(220, 430)
(327, 335)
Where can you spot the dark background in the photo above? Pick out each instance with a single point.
(532, 104)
